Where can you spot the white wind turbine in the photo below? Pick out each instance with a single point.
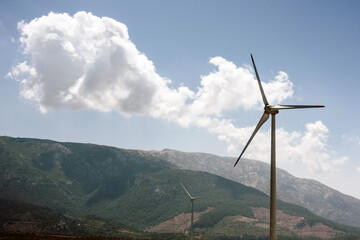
(273, 110)
(192, 199)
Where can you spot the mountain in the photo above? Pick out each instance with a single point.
(20, 217)
(72, 174)
(316, 197)
(141, 190)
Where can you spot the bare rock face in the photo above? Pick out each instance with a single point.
(316, 197)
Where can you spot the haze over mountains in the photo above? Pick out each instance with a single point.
(141, 189)
(318, 198)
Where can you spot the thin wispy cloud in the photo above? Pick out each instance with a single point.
(352, 137)
(87, 62)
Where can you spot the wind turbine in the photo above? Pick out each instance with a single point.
(192, 199)
(273, 110)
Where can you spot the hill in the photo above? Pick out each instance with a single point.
(69, 175)
(142, 191)
(316, 197)
(20, 217)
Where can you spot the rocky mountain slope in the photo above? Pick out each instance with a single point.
(318, 198)
(141, 190)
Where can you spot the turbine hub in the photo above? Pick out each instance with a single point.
(268, 109)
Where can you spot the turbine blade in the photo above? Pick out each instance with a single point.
(263, 119)
(259, 82)
(186, 190)
(198, 197)
(281, 107)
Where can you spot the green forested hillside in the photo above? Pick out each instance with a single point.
(16, 216)
(68, 176)
(135, 189)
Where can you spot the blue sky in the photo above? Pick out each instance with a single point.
(191, 50)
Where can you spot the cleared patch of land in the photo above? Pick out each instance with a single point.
(295, 224)
(179, 223)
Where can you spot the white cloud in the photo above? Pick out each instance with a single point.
(232, 87)
(358, 169)
(86, 62)
(314, 150)
(309, 147)
(83, 61)
(352, 137)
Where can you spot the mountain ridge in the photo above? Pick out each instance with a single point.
(135, 188)
(311, 194)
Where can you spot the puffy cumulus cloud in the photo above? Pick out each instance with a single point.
(84, 61)
(232, 87)
(228, 88)
(313, 148)
(20, 72)
(309, 146)
(278, 89)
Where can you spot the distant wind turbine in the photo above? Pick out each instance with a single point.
(192, 199)
(273, 110)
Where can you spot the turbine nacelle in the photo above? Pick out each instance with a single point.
(187, 192)
(270, 110)
(194, 198)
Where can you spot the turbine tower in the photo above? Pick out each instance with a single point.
(192, 199)
(273, 110)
